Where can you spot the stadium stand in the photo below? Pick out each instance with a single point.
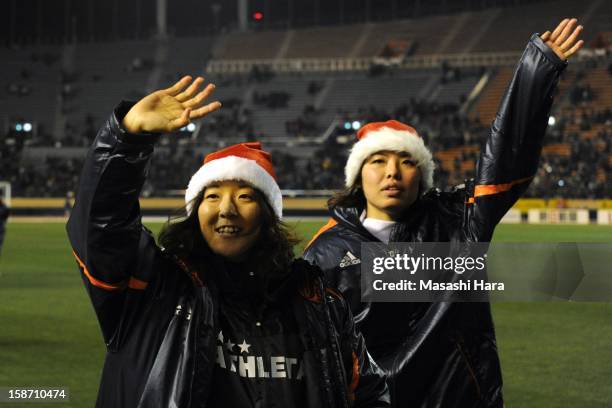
(502, 31)
(67, 91)
(262, 45)
(31, 87)
(324, 42)
(103, 74)
(187, 55)
(487, 104)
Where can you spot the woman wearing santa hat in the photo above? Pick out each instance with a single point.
(439, 354)
(220, 314)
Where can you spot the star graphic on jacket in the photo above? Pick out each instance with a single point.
(244, 346)
(220, 336)
(229, 345)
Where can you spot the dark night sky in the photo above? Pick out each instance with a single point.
(54, 21)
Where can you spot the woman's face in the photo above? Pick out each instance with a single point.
(390, 182)
(230, 218)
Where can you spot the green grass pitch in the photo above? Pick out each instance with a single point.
(553, 354)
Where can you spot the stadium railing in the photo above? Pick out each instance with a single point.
(362, 64)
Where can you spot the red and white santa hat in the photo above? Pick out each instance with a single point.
(244, 161)
(391, 136)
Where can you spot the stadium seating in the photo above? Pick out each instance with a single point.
(489, 99)
(69, 91)
(35, 72)
(262, 45)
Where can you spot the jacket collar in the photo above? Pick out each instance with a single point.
(349, 218)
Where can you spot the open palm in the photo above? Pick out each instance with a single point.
(169, 109)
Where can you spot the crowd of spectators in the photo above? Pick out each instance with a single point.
(581, 173)
(11, 146)
(321, 170)
(233, 119)
(584, 173)
(441, 126)
(171, 169)
(52, 177)
(21, 84)
(34, 176)
(271, 100)
(306, 125)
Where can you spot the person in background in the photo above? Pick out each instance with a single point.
(4, 214)
(439, 354)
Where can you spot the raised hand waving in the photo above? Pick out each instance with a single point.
(167, 110)
(564, 39)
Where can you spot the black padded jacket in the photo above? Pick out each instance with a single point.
(159, 319)
(445, 354)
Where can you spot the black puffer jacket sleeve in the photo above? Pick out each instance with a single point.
(104, 229)
(509, 160)
(367, 378)
(367, 386)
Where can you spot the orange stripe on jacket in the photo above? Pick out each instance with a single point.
(133, 283)
(314, 295)
(355, 379)
(489, 189)
(311, 294)
(324, 228)
(96, 282)
(137, 284)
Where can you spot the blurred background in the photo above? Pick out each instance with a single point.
(302, 76)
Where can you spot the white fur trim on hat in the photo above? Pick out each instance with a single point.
(393, 140)
(235, 168)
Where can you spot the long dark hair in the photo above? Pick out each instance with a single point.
(349, 197)
(273, 252)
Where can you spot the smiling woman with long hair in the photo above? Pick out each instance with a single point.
(219, 314)
(183, 237)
